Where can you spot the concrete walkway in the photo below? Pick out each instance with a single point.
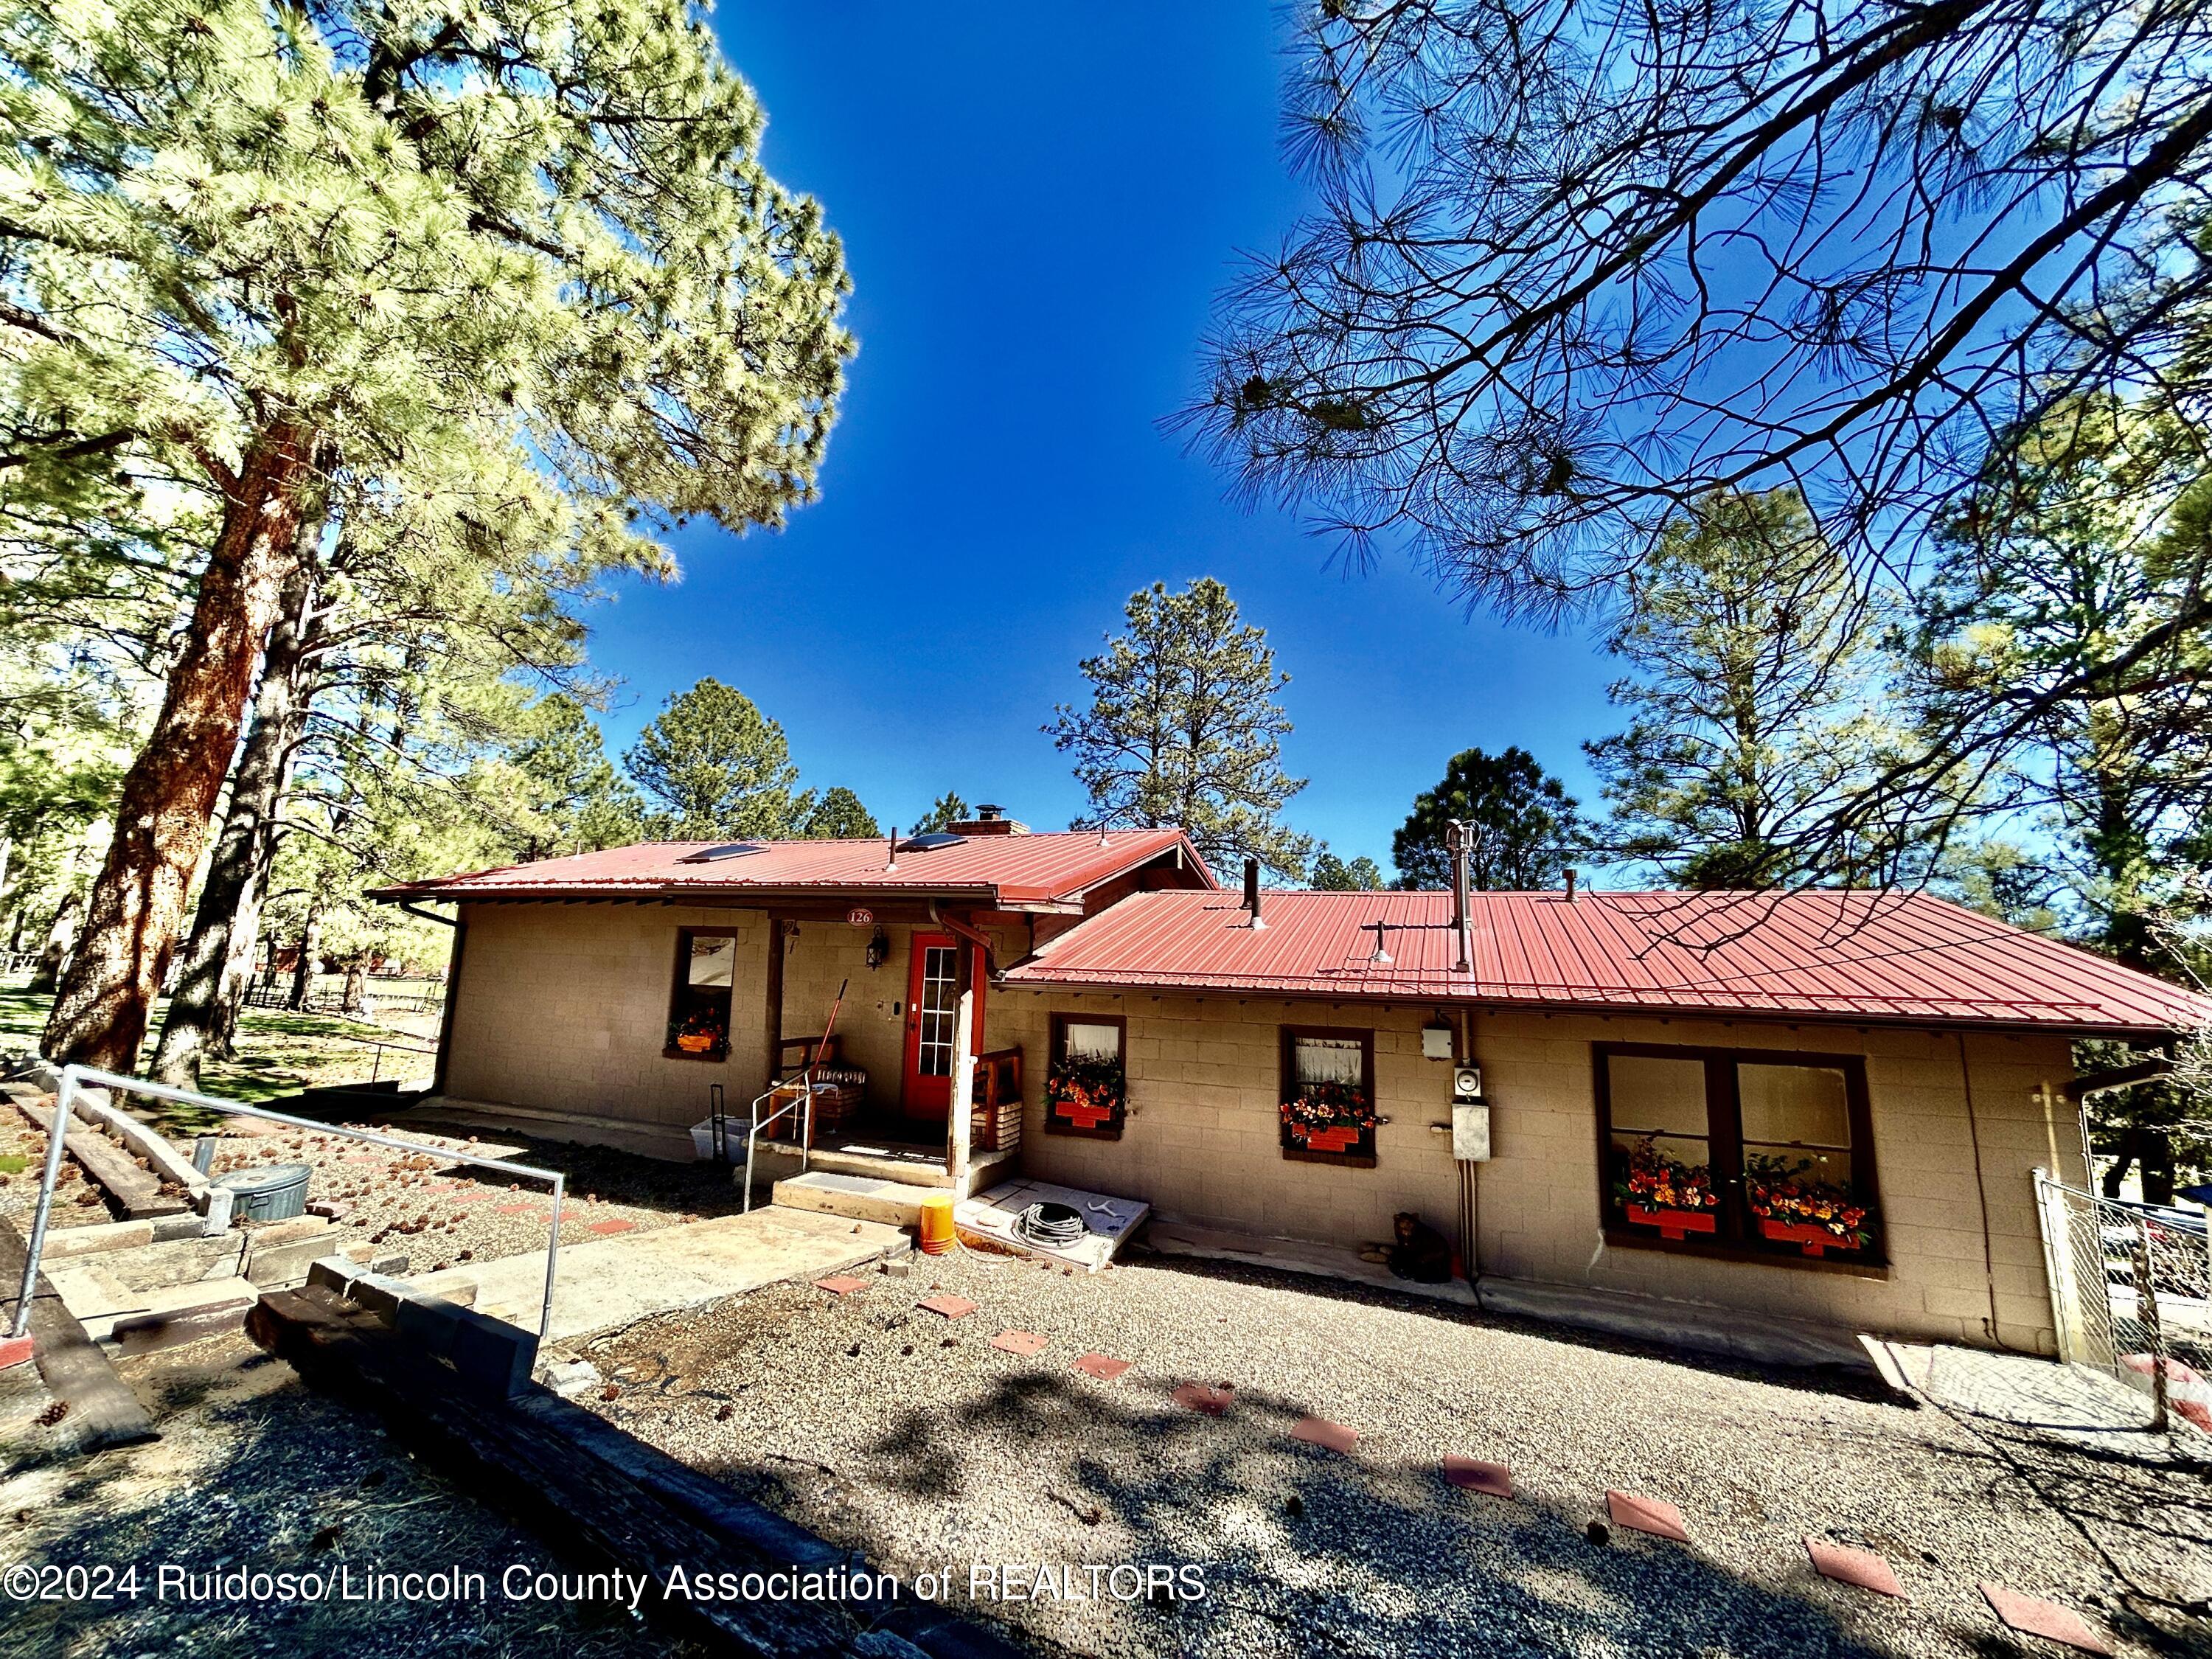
(612, 1282)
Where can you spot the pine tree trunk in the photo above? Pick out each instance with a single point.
(61, 936)
(100, 1012)
(355, 1000)
(218, 957)
(311, 948)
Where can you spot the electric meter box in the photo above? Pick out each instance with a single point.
(1471, 1132)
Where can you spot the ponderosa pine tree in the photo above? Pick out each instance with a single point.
(2070, 603)
(1756, 666)
(1183, 730)
(1525, 825)
(720, 768)
(270, 254)
(839, 815)
(1332, 874)
(948, 809)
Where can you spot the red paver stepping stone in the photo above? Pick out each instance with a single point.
(2034, 1616)
(617, 1225)
(1847, 1565)
(1104, 1367)
(952, 1307)
(470, 1198)
(1320, 1431)
(1653, 1514)
(841, 1284)
(1025, 1343)
(1200, 1398)
(524, 1209)
(1472, 1474)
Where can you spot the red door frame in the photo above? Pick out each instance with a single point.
(929, 1099)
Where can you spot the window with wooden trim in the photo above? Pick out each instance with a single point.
(699, 1004)
(1747, 1150)
(1086, 1089)
(1328, 1095)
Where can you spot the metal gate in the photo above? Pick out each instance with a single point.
(2131, 1295)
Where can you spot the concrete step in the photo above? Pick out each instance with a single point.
(856, 1197)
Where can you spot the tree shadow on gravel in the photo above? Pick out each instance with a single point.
(1338, 1552)
(302, 1483)
(1308, 1551)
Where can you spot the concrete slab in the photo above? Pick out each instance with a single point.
(1293, 1255)
(1697, 1327)
(989, 1219)
(611, 1282)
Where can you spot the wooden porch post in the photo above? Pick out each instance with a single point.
(773, 979)
(957, 1130)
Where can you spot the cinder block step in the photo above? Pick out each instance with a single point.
(859, 1198)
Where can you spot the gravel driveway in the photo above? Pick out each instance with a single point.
(892, 1430)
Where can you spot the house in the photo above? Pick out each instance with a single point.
(1823, 1105)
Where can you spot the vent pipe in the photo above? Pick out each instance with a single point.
(890, 858)
(1570, 886)
(1252, 890)
(1457, 838)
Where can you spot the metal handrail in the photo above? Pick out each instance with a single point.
(73, 1077)
(803, 1106)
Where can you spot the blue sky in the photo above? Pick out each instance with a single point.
(1038, 204)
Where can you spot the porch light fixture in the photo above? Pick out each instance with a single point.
(879, 948)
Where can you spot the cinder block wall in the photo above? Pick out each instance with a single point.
(1202, 1144)
(564, 1008)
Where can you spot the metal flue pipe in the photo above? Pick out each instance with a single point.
(1458, 840)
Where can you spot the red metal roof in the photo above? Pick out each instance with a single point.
(1024, 869)
(1863, 957)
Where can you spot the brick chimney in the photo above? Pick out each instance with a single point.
(990, 821)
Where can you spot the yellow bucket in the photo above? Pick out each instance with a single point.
(937, 1224)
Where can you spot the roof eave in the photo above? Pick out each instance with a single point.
(2130, 1031)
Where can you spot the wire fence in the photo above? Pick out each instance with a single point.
(2131, 1296)
(376, 997)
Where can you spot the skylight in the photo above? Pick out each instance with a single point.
(930, 843)
(734, 849)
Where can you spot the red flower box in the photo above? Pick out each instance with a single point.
(1672, 1223)
(1814, 1239)
(1342, 1138)
(1083, 1117)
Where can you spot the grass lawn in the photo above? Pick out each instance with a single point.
(279, 1053)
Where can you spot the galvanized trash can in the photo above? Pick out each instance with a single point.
(275, 1193)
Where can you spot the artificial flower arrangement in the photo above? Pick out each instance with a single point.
(1327, 1117)
(1089, 1093)
(700, 1032)
(1656, 1190)
(1817, 1214)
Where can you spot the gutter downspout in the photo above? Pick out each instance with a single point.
(963, 930)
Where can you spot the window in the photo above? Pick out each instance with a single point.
(941, 1000)
(1086, 1090)
(1745, 1149)
(699, 1007)
(1329, 1095)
